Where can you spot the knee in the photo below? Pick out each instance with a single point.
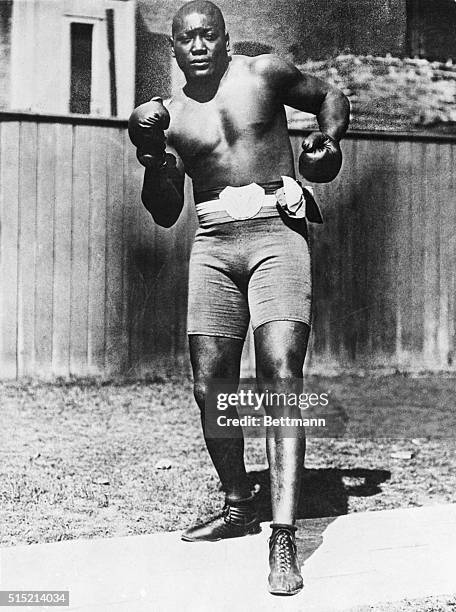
(278, 367)
(206, 394)
(200, 389)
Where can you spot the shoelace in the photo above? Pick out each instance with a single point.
(284, 549)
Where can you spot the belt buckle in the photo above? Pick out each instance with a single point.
(242, 202)
(291, 198)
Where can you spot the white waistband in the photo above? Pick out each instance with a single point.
(246, 202)
(204, 208)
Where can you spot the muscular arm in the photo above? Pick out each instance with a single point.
(307, 93)
(163, 190)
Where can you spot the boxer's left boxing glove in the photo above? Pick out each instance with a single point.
(321, 158)
(146, 128)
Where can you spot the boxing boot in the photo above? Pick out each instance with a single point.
(321, 158)
(285, 576)
(238, 518)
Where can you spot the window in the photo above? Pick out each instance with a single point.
(81, 68)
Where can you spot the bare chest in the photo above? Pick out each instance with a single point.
(240, 111)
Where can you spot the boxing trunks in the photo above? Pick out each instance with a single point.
(250, 260)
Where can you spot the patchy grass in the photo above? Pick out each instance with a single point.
(428, 604)
(78, 460)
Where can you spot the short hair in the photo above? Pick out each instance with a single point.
(198, 6)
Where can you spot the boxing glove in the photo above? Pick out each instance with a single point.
(146, 128)
(321, 158)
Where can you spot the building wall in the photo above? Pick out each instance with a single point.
(5, 51)
(40, 54)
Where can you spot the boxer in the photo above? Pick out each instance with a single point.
(227, 130)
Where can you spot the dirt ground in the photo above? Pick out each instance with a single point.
(89, 459)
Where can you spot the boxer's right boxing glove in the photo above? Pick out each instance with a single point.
(146, 128)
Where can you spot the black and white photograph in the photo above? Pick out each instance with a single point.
(228, 305)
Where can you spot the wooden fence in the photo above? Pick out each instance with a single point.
(89, 285)
(385, 260)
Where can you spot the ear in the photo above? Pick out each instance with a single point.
(227, 41)
(171, 42)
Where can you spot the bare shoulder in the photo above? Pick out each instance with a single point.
(260, 64)
(273, 67)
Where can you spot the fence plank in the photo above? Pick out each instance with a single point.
(62, 250)
(417, 209)
(96, 349)
(116, 341)
(160, 320)
(449, 254)
(447, 241)
(44, 249)
(9, 245)
(403, 285)
(130, 191)
(346, 266)
(133, 280)
(27, 248)
(80, 252)
(136, 268)
(363, 307)
(143, 292)
(431, 270)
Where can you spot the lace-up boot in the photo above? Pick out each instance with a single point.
(238, 518)
(285, 577)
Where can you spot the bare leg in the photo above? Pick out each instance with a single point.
(219, 358)
(280, 348)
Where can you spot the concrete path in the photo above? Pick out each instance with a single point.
(352, 560)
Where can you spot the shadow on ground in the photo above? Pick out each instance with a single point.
(324, 497)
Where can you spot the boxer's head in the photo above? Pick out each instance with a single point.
(200, 42)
